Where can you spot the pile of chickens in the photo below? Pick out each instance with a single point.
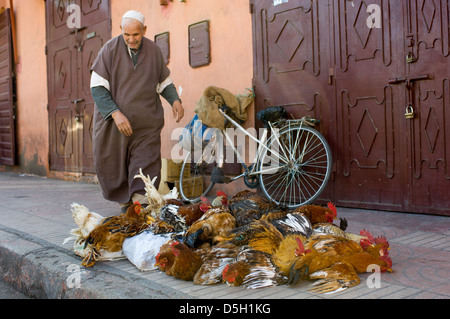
(243, 241)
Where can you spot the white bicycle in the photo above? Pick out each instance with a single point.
(292, 164)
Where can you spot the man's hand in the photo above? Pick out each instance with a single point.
(178, 111)
(122, 123)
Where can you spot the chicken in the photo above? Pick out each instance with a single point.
(154, 198)
(253, 269)
(215, 223)
(259, 235)
(165, 257)
(214, 260)
(289, 249)
(318, 214)
(86, 222)
(181, 262)
(330, 229)
(335, 260)
(248, 206)
(294, 223)
(111, 233)
(221, 199)
(181, 217)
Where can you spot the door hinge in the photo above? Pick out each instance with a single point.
(251, 7)
(46, 50)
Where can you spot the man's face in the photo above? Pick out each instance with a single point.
(133, 32)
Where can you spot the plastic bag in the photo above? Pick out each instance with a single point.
(196, 135)
(141, 250)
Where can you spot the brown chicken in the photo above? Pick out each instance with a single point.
(253, 269)
(214, 260)
(289, 249)
(318, 214)
(110, 234)
(180, 261)
(165, 257)
(178, 217)
(247, 206)
(215, 223)
(335, 260)
(259, 235)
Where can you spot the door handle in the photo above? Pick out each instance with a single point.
(409, 79)
(78, 116)
(77, 101)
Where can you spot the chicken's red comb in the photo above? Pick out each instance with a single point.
(300, 244)
(138, 207)
(204, 199)
(367, 234)
(221, 193)
(332, 207)
(381, 240)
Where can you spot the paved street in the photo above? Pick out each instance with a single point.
(9, 292)
(35, 218)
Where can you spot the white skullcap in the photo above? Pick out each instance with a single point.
(134, 15)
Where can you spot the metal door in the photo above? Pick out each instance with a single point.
(371, 168)
(360, 66)
(427, 46)
(71, 51)
(292, 61)
(7, 116)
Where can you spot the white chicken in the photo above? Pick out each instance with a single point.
(86, 222)
(155, 200)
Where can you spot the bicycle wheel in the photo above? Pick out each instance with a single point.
(194, 179)
(296, 167)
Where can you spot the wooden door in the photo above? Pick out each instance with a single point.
(369, 150)
(428, 133)
(7, 116)
(71, 51)
(356, 65)
(292, 61)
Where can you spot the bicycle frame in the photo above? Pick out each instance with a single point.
(261, 145)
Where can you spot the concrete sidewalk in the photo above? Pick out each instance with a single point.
(35, 218)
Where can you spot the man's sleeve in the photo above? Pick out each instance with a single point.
(102, 96)
(170, 94)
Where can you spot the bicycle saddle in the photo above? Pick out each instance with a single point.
(271, 114)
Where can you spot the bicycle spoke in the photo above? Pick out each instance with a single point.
(305, 174)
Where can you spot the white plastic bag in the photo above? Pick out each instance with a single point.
(141, 250)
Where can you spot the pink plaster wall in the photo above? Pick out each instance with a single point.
(31, 72)
(231, 67)
(231, 48)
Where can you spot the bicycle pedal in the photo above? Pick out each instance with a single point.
(218, 176)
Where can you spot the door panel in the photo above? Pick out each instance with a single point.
(7, 114)
(71, 53)
(371, 60)
(368, 108)
(291, 42)
(62, 72)
(428, 26)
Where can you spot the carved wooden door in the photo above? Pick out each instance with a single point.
(360, 66)
(292, 61)
(427, 33)
(369, 150)
(7, 114)
(72, 46)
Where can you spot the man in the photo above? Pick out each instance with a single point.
(127, 78)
